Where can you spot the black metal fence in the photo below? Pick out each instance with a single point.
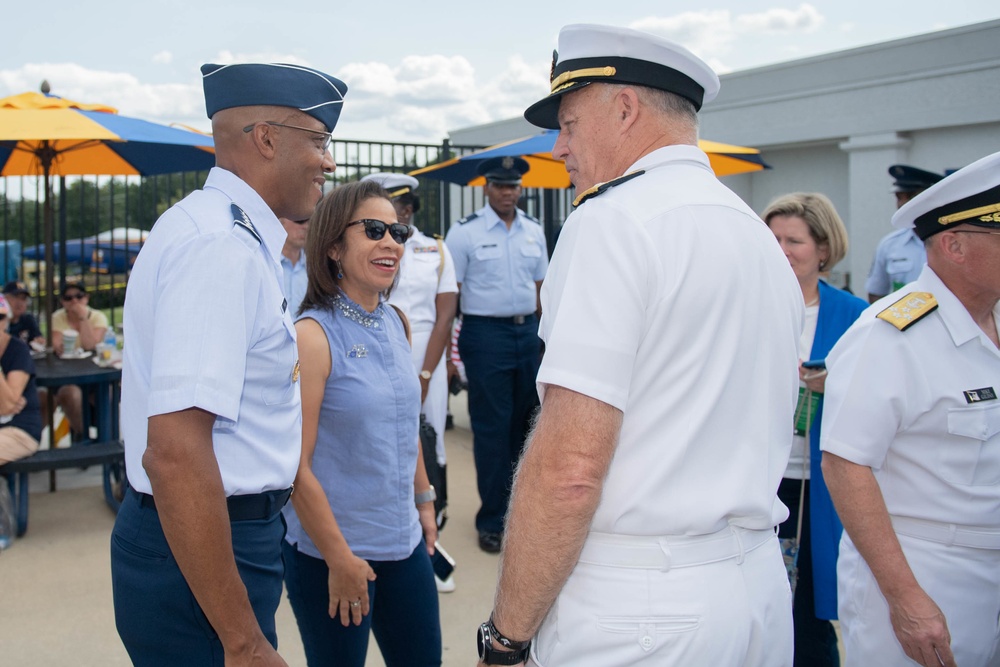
(100, 221)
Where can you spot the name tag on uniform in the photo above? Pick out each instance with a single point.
(977, 395)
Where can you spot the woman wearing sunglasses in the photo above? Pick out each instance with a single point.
(361, 522)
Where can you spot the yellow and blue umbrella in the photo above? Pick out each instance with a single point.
(548, 172)
(45, 135)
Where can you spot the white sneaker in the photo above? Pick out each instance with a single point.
(446, 586)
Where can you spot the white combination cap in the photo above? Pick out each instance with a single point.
(970, 196)
(606, 54)
(396, 184)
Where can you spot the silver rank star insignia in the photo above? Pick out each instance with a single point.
(295, 372)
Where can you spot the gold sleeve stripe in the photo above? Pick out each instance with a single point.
(557, 83)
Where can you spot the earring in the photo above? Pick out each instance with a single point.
(340, 270)
(822, 264)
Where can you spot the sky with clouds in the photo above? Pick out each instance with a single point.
(415, 70)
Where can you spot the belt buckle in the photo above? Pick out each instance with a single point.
(518, 319)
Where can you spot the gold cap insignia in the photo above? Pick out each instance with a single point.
(909, 310)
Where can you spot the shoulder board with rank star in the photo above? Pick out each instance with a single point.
(909, 310)
(601, 188)
(243, 220)
(468, 218)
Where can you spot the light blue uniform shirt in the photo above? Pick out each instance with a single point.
(204, 328)
(497, 268)
(899, 259)
(295, 281)
(367, 442)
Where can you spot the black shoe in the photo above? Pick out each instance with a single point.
(490, 542)
(449, 422)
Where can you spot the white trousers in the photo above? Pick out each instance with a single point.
(963, 581)
(435, 407)
(617, 610)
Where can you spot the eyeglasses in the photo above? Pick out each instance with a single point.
(70, 297)
(327, 136)
(375, 230)
(972, 231)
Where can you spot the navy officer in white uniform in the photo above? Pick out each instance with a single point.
(641, 527)
(500, 261)
(911, 443)
(900, 255)
(211, 416)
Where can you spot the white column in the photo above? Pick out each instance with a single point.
(872, 202)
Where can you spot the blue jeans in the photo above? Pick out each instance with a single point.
(404, 614)
(157, 616)
(501, 361)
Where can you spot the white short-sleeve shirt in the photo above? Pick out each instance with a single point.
(426, 270)
(205, 327)
(669, 299)
(910, 405)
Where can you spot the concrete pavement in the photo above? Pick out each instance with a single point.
(55, 582)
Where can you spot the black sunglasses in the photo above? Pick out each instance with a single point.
(375, 230)
(75, 295)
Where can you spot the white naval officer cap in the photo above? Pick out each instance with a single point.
(606, 54)
(970, 196)
(396, 185)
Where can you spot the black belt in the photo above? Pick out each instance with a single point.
(516, 319)
(252, 507)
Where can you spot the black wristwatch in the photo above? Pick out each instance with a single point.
(490, 656)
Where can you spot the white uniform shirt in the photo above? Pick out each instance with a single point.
(497, 267)
(204, 328)
(419, 283)
(669, 299)
(895, 401)
(899, 258)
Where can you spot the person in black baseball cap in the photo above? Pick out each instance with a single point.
(21, 323)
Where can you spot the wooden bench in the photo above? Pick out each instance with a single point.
(110, 454)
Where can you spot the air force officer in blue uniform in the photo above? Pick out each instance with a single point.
(211, 415)
(500, 260)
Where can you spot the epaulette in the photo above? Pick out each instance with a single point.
(601, 188)
(468, 218)
(909, 310)
(241, 219)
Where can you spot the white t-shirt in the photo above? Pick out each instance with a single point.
(669, 299)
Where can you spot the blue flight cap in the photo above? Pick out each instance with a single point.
(911, 179)
(274, 84)
(506, 170)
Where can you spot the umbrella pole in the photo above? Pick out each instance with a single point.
(46, 154)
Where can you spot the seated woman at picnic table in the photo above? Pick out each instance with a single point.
(90, 325)
(20, 416)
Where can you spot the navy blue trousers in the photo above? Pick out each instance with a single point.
(156, 613)
(815, 638)
(403, 616)
(501, 363)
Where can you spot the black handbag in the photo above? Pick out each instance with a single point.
(436, 473)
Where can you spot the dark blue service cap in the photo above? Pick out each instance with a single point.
(274, 84)
(506, 170)
(911, 179)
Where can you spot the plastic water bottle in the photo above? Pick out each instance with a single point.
(107, 348)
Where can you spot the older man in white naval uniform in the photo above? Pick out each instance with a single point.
(641, 528)
(911, 443)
